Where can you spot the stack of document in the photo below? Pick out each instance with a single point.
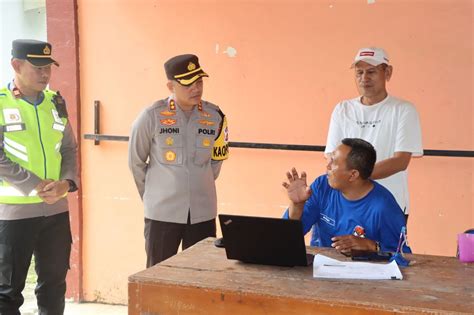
(329, 268)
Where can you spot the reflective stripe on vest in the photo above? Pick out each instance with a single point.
(12, 191)
(32, 137)
(15, 149)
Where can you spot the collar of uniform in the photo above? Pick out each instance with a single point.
(17, 93)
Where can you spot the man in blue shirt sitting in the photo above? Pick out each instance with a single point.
(351, 210)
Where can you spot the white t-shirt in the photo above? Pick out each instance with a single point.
(390, 126)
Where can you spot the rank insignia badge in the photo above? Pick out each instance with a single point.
(170, 156)
(168, 121)
(169, 141)
(206, 122)
(205, 114)
(172, 105)
(167, 113)
(16, 93)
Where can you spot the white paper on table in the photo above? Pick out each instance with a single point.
(329, 268)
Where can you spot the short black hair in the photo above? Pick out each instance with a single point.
(362, 156)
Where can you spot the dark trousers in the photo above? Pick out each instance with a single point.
(162, 238)
(49, 239)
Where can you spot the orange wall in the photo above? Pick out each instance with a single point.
(291, 68)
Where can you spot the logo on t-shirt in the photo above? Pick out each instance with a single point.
(359, 231)
(368, 123)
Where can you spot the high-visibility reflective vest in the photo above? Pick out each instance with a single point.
(32, 136)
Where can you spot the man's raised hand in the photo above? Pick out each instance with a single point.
(296, 187)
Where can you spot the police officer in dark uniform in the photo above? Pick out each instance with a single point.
(177, 146)
(37, 170)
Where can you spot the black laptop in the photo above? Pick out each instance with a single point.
(267, 241)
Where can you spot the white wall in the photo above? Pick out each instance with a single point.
(19, 19)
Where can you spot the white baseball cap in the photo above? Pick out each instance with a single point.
(372, 55)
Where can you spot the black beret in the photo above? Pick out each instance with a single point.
(184, 68)
(36, 52)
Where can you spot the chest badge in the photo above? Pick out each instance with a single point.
(205, 114)
(168, 122)
(206, 122)
(170, 156)
(206, 142)
(167, 113)
(11, 115)
(169, 141)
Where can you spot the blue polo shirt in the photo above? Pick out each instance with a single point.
(377, 216)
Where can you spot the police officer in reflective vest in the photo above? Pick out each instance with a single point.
(37, 169)
(177, 146)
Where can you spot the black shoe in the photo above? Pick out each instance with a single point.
(219, 242)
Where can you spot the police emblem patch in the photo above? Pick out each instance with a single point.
(11, 115)
(46, 50)
(170, 156)
(191, 66)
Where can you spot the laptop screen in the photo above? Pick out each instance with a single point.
(261, 240)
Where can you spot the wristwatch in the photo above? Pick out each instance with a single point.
(72, 185)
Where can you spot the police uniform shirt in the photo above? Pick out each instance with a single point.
(170, 159)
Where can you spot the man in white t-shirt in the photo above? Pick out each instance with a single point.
(390, 124)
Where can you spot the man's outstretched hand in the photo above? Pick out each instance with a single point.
(296, 187)
(298, 192)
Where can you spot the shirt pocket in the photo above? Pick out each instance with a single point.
(204, 146)
(170, 149)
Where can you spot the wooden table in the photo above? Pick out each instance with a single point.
(201, 280)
